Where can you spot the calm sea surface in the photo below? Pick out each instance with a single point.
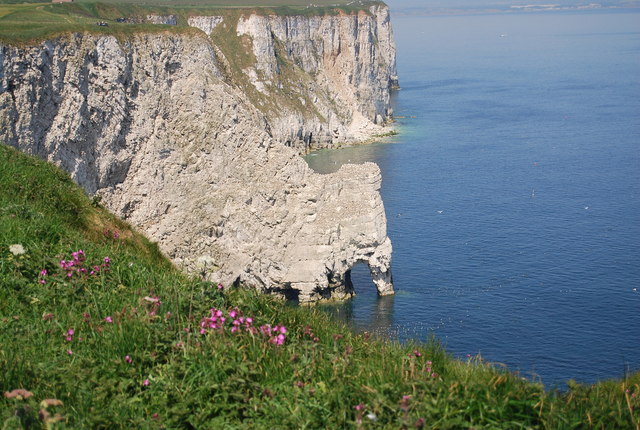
(513, 192)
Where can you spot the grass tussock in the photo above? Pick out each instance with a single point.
(98, 330)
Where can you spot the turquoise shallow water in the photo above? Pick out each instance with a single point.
(513, 192)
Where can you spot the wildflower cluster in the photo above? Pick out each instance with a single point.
(214, 322)
(76, 264)
(428, 364)
(111, 234)
(275, 334)
(75, 267)
(68, 336)
(233, 321)
(429, 370)
(43, 276)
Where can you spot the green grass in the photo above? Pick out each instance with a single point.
(137, 359)
(30, 22)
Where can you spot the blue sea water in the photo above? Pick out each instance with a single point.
(513, 192)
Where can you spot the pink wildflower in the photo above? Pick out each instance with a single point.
(404, 403)
(69, 352)
(359, 407)
(108, 319)
(43, 272)
(128, 359)
(146, 383)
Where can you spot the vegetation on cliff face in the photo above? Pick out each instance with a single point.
(31, 22)
(99, 330)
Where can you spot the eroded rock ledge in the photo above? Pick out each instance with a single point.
(158, 127)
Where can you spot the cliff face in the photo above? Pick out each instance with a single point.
(351, 62)
(158, 127)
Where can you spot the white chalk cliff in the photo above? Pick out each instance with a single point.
(179, 140)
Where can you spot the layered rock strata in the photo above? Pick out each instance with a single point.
(351, 62)
(156, 127)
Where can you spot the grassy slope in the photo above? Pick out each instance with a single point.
(134, 362)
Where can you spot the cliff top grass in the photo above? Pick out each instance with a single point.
(99, 330)
(29, 22)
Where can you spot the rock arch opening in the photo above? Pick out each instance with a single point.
(364, 278)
